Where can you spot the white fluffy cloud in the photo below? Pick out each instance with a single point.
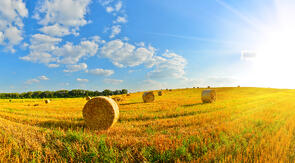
(120, 19)
(124, 54)
(41, 48)
(102, 72)
(118, 6)
(62, 17)
(55, 30)
(36, 80)
(105, 2)
(11, 14)
(43, 77)
(13, 34)
(111, 6)
(115, 8)
(115, 30)
(109, 9)
(170, 65)
(77, 67)
(1, 37)
(71, 54)
(32, 81)
(82, 80)
(53, 65)
(44, 49)
(113, 81)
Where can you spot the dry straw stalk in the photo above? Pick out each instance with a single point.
(208, 96)
(100, 113)
(88, 98)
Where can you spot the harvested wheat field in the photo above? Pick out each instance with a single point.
(242, 125)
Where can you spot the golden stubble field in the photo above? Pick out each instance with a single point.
(244, 124)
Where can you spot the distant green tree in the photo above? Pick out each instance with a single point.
(124, 91)
(62, 94)
(107, 92)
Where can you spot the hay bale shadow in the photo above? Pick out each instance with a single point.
(190, 105)
(132, 103)
(65, 125)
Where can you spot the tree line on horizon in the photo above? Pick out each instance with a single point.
(61, 94)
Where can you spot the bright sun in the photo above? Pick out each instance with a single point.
(275, 60)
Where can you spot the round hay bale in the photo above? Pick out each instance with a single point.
(208, 96)
(160, 93)
(170, 90)
(117, 99)
(239, 86)
(198, 87)
(100, 113)
(128, 95)
(10, 100)
(208, 86)
(148, 97)
(47, 101)
(88, 98)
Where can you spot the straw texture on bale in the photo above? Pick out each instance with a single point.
(88, 98)
(148, 97)
(47, 101)
(208, 96)
(160, 93)
(100, 113)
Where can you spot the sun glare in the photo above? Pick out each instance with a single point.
(275, 54)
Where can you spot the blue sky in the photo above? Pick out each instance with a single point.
(146, 44)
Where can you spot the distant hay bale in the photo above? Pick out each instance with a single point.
(47, 101)
(239, 86)
(117, 99)
(198, 87)
(170, 90)
(148, 97)
(10, 100)
(208, 96)
(208, 86)
(88, 98)
(36, 104)
(160, 93)
(128, 95)
(194, 87)
(100, 113)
